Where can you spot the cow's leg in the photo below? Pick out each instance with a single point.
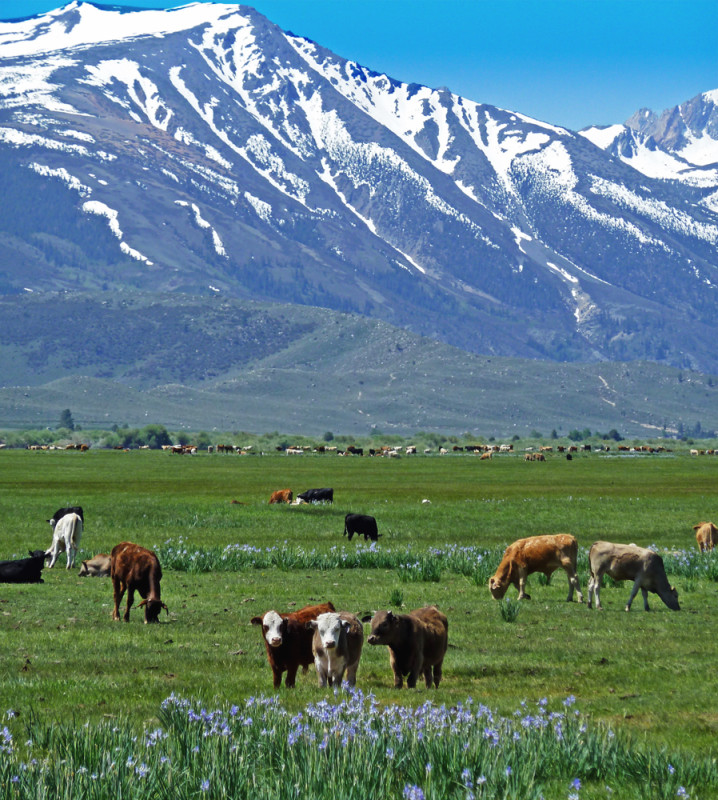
(130, 601)
(321, 672)
(349, 535)
(398, 679)
(291, 679)
(276, 677)
(573, 584)
(522, 588)
(437, 675)
(645, 598)
(71, 550)
(118, 590)
(634, 592)
(352, 674)
(52, 552)
(428, 679)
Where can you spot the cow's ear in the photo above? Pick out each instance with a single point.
(390, 616)
(257, 620)
(367, 617)
(311, 625)
(346, 625)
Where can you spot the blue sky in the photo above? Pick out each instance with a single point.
(570, 62)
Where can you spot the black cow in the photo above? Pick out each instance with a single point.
(23, 570)
(361, 524)
(60, 513)
(317, 496)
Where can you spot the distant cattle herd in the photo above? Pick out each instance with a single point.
(332, 640)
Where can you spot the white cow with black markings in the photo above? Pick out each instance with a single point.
(66, 535)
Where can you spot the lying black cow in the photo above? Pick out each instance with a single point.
(317, 496)
(23, 570)
(361, 524)
(60, 513)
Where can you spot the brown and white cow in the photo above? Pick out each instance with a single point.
(282, 496)
(134, 568)
(288, 641)
(536, 554)
(628, 562)
(97, 566)
(337, 645)
(417, 642)
(706, 536)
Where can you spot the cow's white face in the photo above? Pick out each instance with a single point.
(329, 628)
(272, 628)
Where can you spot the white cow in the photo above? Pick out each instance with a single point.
(337, 645)
(67, 532)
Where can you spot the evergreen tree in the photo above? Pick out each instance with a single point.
(66, 420)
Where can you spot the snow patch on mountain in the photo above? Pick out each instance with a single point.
(70, 180)
(29, 84)
(102, 210)
(142, 90)
(201, 222)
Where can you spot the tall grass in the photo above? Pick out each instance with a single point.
(345, 745)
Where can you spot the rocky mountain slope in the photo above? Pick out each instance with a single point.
(203, 150)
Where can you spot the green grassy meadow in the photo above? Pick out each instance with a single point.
(63, 660)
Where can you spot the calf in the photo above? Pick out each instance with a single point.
(23, 570)
(281, 496)
(628, 562)
(336, 644)
(536, 554)
(66, 535)
(133, 568)
(417, 642)
(362, 524)
(706, 536)
(288, 641)
(98, 566)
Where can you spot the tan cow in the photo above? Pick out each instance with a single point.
(706, 536)
(282, 496)
(628, 562)
(536, 554)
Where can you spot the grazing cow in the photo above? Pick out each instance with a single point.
(317, 496)
(536, 554)
(133, 568)
(282, 496)
(336, 644)
(97, 566)
(362, 524)
(288, 641)
(60, 513)
(23, 570)
(66, 535)
(706, 536)
(628, 562)
(417, 642)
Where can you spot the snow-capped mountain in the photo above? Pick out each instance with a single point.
(205, 150)
(681, 144)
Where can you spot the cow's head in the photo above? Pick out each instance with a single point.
(84, 571)
(329, 626)
(497, 587)
(273, 627)
(384, 625)
(671, 599)
(152, 610)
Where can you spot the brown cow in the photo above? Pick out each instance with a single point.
(536, 554)
(282, 496)
(417, 642)
(133, 568)
(628, 562)
(288, 641)
(98, 566)
(706, 536)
